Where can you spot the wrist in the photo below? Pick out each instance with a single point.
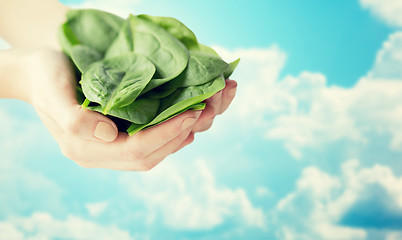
(15, 80)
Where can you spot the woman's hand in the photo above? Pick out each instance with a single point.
(216, 105)
(47, 81)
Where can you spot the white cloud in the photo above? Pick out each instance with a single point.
(389, 59)
(10, 232)
(389, 11)
(41, 225)
(264, 192)
(96, 209)
(24, 190)
(394, 236)
(304, 112)
(18, 183)
(316, 208)
(192, 201)
(257, 73)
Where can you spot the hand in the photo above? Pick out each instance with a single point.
(216, 105)
(45, 79)
(90, 138)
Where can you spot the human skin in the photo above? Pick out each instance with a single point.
(35, 70)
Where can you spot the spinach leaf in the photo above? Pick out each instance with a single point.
(159, 92)
(176, 28)
(94, 28)
(181, 32)
(231, 68)
(205, 49)
(140, 71)
(117, 82)
(67, 38)
(134, 128)
(201, 69)
(168, 54)
(141, 111)
(83, 56)
(123, 42)
(192, 94)
(181, 100)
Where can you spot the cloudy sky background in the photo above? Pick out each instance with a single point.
(310, 149)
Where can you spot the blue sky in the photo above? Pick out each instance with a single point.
(310, 148)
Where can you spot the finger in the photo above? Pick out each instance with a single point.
(125, 152)
(91, 125)
(62, 106)
(84, 152)
(84, 123)
(88, 124)
(228, 95)
(204, 122)
(214, 102)
(88, 153)
(160, 154)
(55, 130)
(147, 141)
(217, 104)
(146, 163)
(189, 139)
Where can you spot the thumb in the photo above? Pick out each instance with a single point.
(90, 125)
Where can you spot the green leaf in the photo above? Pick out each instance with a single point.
(181, 100)
(94, 28)
(83, 56)
(140, 71)
(201, 69)
(205, 49)
(123, 42)
(141, 111)
(134, 128)
(159, 92)
(176, 28)
(117, 82)
(181, 32)
(168, 54)
(231, 68)
(67, 38)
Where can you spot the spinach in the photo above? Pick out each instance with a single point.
(141, 111)
(176, 28)
(201, 69)
(181, 100)
(142, 70)
(168, 54)
(123, 42)
(117, 82)
(231, 68)
(83, 56)
(94, 28)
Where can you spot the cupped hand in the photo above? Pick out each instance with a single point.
(93, 140)
(216, 105)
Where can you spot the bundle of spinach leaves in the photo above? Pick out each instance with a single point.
(143, 70)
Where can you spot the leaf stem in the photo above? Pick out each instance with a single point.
(85, 104)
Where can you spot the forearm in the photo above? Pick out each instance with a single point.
(14, 79)
(27, 23)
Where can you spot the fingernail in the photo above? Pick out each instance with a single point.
(188, 122)
(232, 92)
(105, 131)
